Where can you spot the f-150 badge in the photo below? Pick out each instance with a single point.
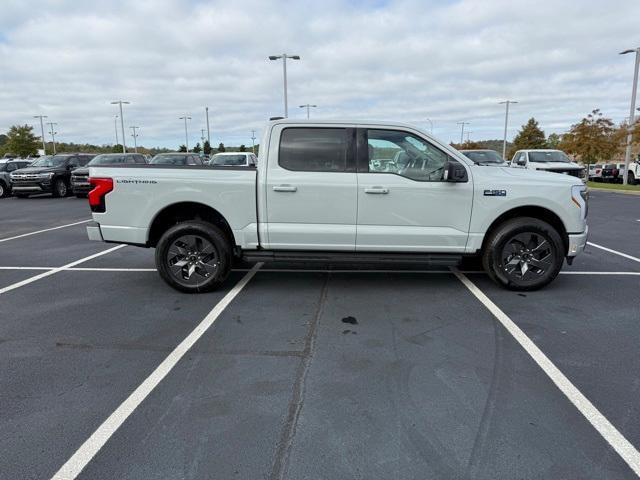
(495, 193)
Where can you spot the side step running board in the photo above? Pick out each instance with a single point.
(436, 259)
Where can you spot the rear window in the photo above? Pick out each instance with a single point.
(314, 149)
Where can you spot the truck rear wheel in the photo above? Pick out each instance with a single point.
(523, 254)
(193, 257)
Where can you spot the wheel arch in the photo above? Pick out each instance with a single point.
(532, 211)
(184, 211)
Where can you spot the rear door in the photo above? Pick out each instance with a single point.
(404, 205)
(311, 189)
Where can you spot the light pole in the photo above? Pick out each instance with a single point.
(206, 109)
(135, 139)
(44, 145)
(506, 121)
(462, 124)
(186, 134)
(115, 126)
(468, 133)
(253, 141)
(627, 153)
(124, 143)
(284, 57)
(202, 137)
(308, 106)
(431, 125)
(53, 135)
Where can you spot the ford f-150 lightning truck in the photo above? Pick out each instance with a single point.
(352, 191)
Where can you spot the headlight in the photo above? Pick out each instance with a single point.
(45, 176)
(580, 197)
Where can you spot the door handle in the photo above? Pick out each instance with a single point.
(285, 188)
(377, 190)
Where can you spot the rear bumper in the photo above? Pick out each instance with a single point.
(94, 233)
(577, 242)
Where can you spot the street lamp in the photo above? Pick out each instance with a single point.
(284, 57)
(627, 153)
(506, 121)
(253, 141)
(124, 143)
(308, 106)
(53, 135)
(186, 134)
(44, 147)
(135, 137)
(115, 127)
(462, 132)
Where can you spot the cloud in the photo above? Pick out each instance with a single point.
(407, 60)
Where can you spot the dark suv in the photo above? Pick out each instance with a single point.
(48, 175)
(8, 165)
(80, 176)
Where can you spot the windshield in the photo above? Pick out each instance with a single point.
(231, 160)
(54, 161)
(109, 159)
(484, 156)
(169, 160)
(553, 156)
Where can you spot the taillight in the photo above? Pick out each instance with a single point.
(101, 186)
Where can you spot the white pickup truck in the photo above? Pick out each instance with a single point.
(343, 191)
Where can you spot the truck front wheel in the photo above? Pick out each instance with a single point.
(193, 257)
(523, 254)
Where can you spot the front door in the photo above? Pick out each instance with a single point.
(311, 189)
(403, 203)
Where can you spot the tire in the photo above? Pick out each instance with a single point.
(4, 191)
(60, 188)
(631, 179)
(523, 254)
(194, 257)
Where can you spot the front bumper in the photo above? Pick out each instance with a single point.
(577, 242)
(20, 187)
(81, 187)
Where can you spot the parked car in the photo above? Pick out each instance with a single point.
(177, 159)
(8, 165)
(80, 176)
(485, 157)
(314, 188)
(609, 172)
(595, 172)
(48, 175)
(633, 177)
(555, 161)
(233, 159)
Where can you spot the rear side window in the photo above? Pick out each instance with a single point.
(139, 159)
(314, 149)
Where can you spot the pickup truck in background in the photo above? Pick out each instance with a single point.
(332, 191)
(546, 160)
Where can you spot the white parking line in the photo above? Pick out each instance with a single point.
(56, 270)
(618, 442)
(625, 255)
(72, 468)
(42, 231)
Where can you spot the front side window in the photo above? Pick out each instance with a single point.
(401, 153)
(551, 156)
(314, 149)
(10, 167)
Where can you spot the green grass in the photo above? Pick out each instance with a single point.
(614, 186)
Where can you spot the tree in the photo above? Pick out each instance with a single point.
(182, 148)
(197, 148)
(221, 147)
(594, 139)
(207, 147)
(21, 141)
(115, 149)
(243, 148)
(530, 136)
(553, 140)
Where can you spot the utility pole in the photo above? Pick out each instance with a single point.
(462, 132)
(284, 57)
(202, 137)
(208, 132)
(124, 143)
(53, 135)
(627, 153)
(506, 121)
(308, 106)
(44, 145)
(186, 134)
(253, 141)
(135, 137)
(431, 125)
(115, 126)
(468, 133)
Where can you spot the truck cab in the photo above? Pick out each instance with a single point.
(547, 160)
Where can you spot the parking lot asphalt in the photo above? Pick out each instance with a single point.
(310, 373)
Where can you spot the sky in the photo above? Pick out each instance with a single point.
(416, 61)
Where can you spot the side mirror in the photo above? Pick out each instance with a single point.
(521, 162)
(455, 172)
